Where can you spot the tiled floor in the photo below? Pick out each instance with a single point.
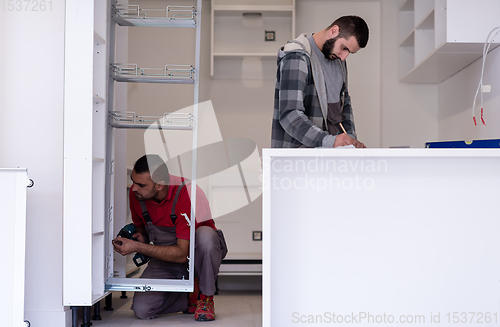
(232, 308)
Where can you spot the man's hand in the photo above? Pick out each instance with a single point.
(344, 139)
(169, 253)
(124, 245)
(139, 237)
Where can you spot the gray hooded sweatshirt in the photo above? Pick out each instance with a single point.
(301, 107)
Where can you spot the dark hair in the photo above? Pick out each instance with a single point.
(352, 26)
(153, 164)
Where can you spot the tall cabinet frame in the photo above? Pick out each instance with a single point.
(89, 124)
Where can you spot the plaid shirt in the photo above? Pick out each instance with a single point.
(297, 119)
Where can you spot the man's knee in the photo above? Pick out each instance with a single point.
(142, 310)
(206, 239)
(146, 305)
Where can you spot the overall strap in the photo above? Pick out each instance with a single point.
(173, 216)
(145, 213)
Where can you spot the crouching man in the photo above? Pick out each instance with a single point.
(160, 206)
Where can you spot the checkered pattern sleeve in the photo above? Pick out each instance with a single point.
(348, 116)
(291, 88)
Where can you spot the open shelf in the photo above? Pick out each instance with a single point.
(171, 121)
(406, 25)
(230, 24)
(172, 16)
(409, 40)
(427, 23)
(433, 45)
(424, 37)
(444, 62)
(229, 21)
(174, 74)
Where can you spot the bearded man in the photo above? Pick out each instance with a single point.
(312, 106)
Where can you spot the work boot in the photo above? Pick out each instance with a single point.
(205, 308)
(193, 298)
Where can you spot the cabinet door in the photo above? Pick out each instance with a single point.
(85, 166)
(13, 202)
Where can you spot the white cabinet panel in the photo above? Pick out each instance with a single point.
(85, 123)
(12, 274)
(394, 233)
(439, 45)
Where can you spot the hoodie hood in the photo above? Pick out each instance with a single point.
(303, 45)
(300, 44)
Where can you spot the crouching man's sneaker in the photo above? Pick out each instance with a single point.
(205, 308)
(193, 298)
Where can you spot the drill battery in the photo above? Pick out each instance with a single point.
(127, 232)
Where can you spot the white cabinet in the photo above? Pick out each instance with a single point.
(438, 38)
(89, 143)
(85, 166)
(242, 29)
(425, 238)
(13, 202)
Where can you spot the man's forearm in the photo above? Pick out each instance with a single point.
(169, 253)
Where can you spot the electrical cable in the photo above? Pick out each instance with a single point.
(486, 49)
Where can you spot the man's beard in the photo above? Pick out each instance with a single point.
(139, 197)
(328, 48)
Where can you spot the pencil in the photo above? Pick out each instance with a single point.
(342, 128)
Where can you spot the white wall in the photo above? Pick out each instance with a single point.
(31, 136)
(409, 111)
(364, 67)
(388, 113)
(455, 102)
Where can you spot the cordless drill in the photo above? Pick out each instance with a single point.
(127, 232)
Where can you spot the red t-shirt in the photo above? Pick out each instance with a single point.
(160, 212)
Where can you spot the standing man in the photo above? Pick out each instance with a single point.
(312, 106)
(161, 207)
